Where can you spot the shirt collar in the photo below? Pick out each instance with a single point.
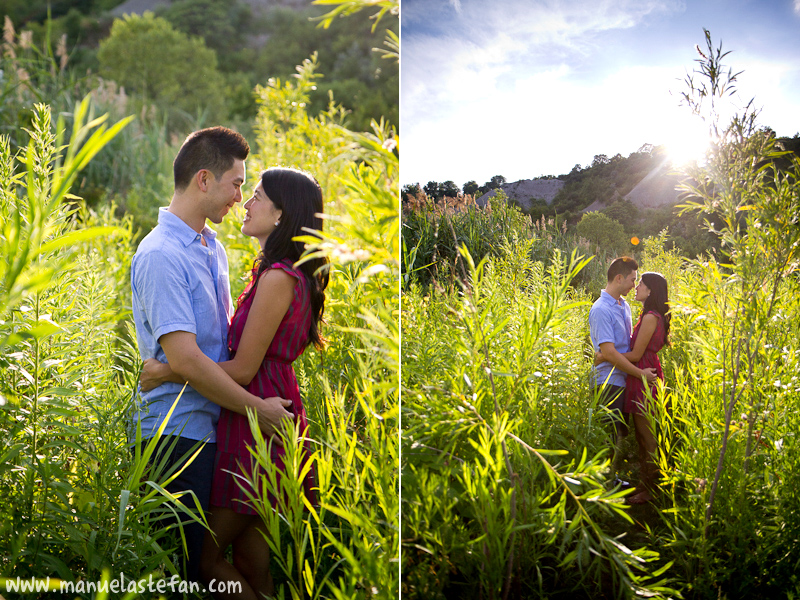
(609, 299)
(178, 227)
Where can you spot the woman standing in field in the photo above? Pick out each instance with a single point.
(276, 318)
(649, 335)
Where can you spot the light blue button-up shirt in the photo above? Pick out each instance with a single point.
(610, 321)
(180, 285)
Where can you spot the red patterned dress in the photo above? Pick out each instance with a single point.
(275, 377)
(634, 388)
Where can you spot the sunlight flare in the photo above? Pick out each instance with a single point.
(687, 141)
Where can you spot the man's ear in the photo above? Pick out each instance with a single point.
(202, 178)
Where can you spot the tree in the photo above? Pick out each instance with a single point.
(623, 212)
(495, 182)
(359, 78)
(147, 56)
(220, 23)
(449, 189)
(602, 231)
(432, 190)
(471, 187)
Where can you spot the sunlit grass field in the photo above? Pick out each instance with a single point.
(76, 505)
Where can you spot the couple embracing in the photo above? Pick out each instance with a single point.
(233, 360)
(626, 360)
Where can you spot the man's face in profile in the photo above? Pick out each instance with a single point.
(628, 283)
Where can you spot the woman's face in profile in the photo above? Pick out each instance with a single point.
(261, 215)
(642, 292)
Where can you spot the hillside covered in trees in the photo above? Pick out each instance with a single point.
(636, 193)
(204, 57)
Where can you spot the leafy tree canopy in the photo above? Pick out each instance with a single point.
(411, 189)
(601, 231)
(150, 58)
(495, 182)
(221, 23)
(360, 79)
(471, 187)
(449, 189)
(432, 189)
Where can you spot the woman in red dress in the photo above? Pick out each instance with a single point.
(649, 336)
(276, 318)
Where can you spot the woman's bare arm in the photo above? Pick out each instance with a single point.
(272, 299)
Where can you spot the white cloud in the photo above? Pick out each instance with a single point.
(797, 6)
(517, 89)
(562, 22)
(544, 120)
(769, 85)
(495, 78)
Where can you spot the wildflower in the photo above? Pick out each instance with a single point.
(8, 30)
(8, 36)
(61, 51)
(26, 40)
(390, 144)
(635, 241)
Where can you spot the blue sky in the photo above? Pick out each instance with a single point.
(524, 88)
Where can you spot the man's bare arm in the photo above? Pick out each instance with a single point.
(610, 354)
(208, 378)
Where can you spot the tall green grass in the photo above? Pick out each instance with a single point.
(347, 547)
(496, 365)
(77, 504)
(434, 233)
(67, 367)
(504, 459)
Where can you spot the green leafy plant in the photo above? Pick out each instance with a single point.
(503, 492)
(73, 499)
(148, 57)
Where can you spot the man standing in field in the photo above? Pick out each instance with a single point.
(182, 306)
(610, 330)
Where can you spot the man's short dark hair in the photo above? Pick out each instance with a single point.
(621, 266)
(214, 149)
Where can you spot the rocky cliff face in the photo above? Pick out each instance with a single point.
(656, 189)
(523, 192)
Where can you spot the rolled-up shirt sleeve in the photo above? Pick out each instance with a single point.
(603, 324)
(601, 327)
(162, 290)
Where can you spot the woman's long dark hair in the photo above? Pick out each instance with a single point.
(298, 195)
(658, 300)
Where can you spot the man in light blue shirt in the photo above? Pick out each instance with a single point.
(180, 284)
(610, 331)
(181, 308)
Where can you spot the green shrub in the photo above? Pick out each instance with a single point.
(602, 232)
(149, 58)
